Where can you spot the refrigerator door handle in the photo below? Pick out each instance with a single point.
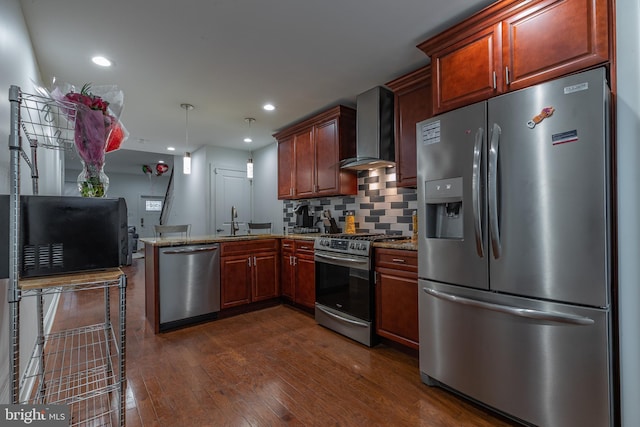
(552, 316)
(476, 188)
(494, 229)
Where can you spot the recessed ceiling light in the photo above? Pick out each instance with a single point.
(101, 61)
(248, 139)
(171, 148)
(269, 107)
(160, 161)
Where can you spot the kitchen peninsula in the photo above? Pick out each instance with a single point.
(236, 274)
(223, 275)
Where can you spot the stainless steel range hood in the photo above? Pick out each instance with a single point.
(375, 146)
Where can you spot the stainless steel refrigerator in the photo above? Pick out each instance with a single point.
(515, 252)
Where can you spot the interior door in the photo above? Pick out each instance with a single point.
(150, 208)
(232, 188)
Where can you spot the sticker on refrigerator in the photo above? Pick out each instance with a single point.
(564, 137)
(431, 133)
(546, 112)
(576, 88)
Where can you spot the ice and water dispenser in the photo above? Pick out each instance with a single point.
(444, 209)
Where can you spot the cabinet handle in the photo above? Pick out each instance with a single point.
(295, 261)
(401, 261)
(506, 75)
(495, 84)
(249, 262)
(286, 245)
(254, 261)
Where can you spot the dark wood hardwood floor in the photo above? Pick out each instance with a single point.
(271, 367)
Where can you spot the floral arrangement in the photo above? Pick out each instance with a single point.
(98, 130)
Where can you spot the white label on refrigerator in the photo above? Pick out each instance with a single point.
(564, 137)
(576, 88)
(431, 133)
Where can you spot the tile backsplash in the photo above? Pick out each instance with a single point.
(379, 206)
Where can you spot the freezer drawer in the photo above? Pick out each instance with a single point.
(545, 363)
(189, 282)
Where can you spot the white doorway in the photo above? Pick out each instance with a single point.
(232, 188)
(150, 208)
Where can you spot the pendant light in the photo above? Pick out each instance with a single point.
(186, 160)
(248, 140)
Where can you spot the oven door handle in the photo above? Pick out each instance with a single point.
(344, 259)
(342, 319)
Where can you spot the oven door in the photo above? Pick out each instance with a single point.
(343, 282)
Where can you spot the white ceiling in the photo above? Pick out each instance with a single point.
(229, 57)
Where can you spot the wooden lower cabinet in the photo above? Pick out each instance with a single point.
(298, 284)
(249, 272)
(397, 296)
(287, 270)
(305, 281)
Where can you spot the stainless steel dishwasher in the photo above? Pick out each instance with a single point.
(189, 284)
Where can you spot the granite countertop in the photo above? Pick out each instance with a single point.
(406, 245)
(201, 240)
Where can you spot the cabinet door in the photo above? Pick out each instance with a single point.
(265, 276)
(305, 293)
(235, 285)
(304, 164)
(413, 99)
(285, 168)
(468, 71)
(554, 38)
(287, 276)
(397, 306)
(327, 157)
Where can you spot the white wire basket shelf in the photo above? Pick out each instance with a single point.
(81, 371)
(46, 122)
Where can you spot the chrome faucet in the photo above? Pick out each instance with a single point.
(234, 223)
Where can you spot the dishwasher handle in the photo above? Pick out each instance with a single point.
(191, 250)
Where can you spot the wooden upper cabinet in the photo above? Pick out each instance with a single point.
(468, 71)
(412, 104)
(553, 38)
(304, 159)
(327, 157)
(514, 44)
(285, 172)
(319, 144)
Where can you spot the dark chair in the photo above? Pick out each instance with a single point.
(260, 227)
(163, 230)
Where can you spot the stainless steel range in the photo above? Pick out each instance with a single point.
(345, 284)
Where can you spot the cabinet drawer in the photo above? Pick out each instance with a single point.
(287, 244)
(397, 259)
(304, 246)
(244, 247)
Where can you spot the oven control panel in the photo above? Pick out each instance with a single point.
(356, 247)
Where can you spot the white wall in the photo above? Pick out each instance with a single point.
(18, 66)
(266, 206)
(194, 194)
(129, 186)
(628, 146)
